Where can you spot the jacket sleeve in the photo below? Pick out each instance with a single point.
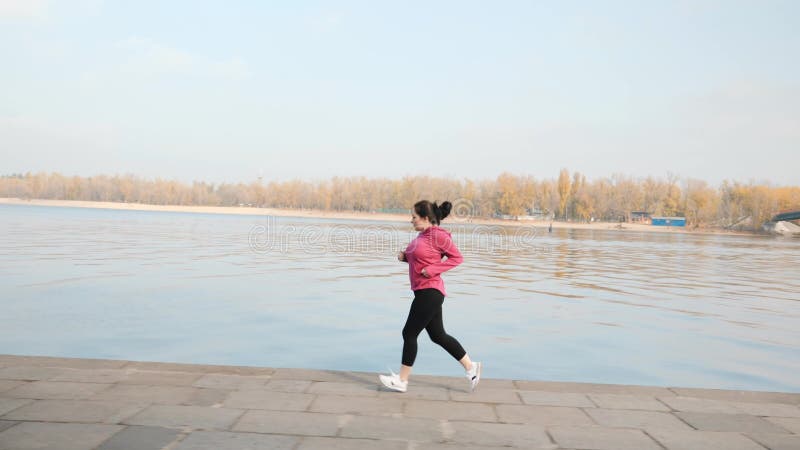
(444, 244)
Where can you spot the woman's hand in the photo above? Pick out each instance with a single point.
(401, 256)
(425, 273)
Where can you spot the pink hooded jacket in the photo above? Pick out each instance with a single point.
(426, 252)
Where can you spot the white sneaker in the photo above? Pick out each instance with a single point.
(393, 382)
(474, 375)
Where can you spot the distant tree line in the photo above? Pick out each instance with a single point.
(569, 197)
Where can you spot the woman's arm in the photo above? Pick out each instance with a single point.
(444, 244)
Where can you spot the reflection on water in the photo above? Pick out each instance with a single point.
(577, 305)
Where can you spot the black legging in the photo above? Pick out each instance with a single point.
(426, 313)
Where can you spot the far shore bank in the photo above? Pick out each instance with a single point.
(384, 217)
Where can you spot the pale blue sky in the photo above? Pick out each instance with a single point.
(224, 91)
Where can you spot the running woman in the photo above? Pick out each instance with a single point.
(425, 266)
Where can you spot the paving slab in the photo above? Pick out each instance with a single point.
(644, 420)
(307, 375)
(461, 383)
(787, 423)
(200, 368)
(693, 440)
(601, 438)
(56, 436)
(10, 404)
(91, 375)
(225, 381)
(165, 395)
(256, 399)
(217, 440)
(702, 405)
(457, 446)
(208, 397)
(75, 411)
(29, 373)
(50, 361)
(55, 390)
(323, 375)
(777, 441)
(473, 412)
(6, 424)
(593, 388)
(730, 422)
(545, 398)
(487, 396)
(768, 409)
(486, 383)
(323, 443)
(439, 381)
(194, 417)
(499, 435)
(141, 438)
(7, 385)
(542, 415)
(408, 429)
(335, 387)
(287, 385)
(417, 392)
(739, 396)
(289, 422)
(338, 404)
(627, 401)
(161, 378)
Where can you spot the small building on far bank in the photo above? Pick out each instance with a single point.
(668, 221)
(640, 217)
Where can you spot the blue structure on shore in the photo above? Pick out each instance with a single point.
(668, 221)
(787, 216)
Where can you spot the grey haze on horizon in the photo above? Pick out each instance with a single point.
(311, 90)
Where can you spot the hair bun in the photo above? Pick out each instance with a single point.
(437, 212)
(444, 209)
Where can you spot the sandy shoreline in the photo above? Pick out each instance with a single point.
(310, 213)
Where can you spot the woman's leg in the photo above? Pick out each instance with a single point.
(466, 362)
(439, 336)
(424, 307)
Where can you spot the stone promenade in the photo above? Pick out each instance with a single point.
(83, 404)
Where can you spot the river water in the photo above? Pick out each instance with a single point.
(607, 306)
